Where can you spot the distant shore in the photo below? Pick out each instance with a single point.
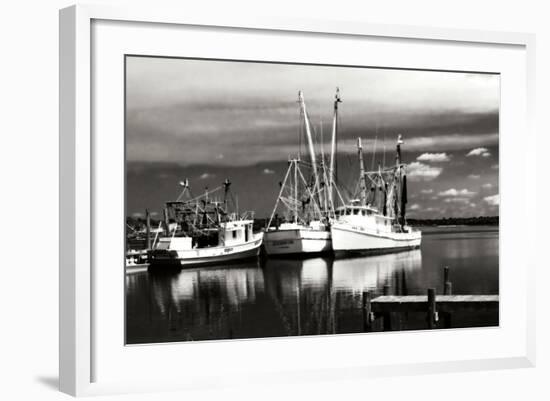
(456, 221)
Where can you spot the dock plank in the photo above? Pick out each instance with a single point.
(445, 303)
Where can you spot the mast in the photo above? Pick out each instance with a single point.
(295, 161)
(362, 182)
(310, 143)
(398, 150)
(402, 181)
(332, 168)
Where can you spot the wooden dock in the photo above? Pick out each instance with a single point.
(444, 303)
(386, 307)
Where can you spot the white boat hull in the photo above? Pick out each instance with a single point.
(297, 241)
(205, 256)
(353, 239)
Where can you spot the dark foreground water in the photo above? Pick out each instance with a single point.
(275, 297)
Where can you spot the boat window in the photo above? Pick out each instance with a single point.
(355, 211)
(362, 212)
(234, 234)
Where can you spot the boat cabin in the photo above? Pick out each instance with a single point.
(235, 232)
(229, 233)
(365, 216)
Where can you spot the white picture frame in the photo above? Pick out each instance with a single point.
(78, 350)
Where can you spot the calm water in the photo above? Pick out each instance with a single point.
(277, 297)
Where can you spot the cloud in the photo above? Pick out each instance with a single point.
(457, 200)
(487, 185)
(423, 172)
(414, 206)
(426, 191)
(204, 176)
(493, 200)
(192, 111)
(435, 143)
(494, 166)
(268, 171)
(456, 192)
(137, 215)
(479, 152)
(474, 176)
(434, 157)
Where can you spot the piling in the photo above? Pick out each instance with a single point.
(445, 276)
(448, 288)
(387, 317)
(432, 312)
(367, 311)
(148, 229)
(387, 289)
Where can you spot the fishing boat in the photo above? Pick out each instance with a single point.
(308, 205)
(202, 231)
(376, 223)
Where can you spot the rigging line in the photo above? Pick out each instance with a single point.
(310, 194)
(278, 197)
(210, 192)
(340, 196)
(181, 194)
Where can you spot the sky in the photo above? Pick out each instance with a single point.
(208, 120)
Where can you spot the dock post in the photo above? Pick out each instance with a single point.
(387, 317)
(387, 289)
(445, 277)
(432, 312)
(148, 229)
(446, 318)
(367, 321)
(448, 288)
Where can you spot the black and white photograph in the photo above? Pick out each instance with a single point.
(269, 199)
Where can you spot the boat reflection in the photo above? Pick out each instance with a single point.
(229, 286)
(372, 273)
(279, 297)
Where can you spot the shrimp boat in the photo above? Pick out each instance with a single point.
(305, 230)
(201, 231)
(376, 223)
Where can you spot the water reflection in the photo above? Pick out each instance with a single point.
(278, 297)
(374, 272)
